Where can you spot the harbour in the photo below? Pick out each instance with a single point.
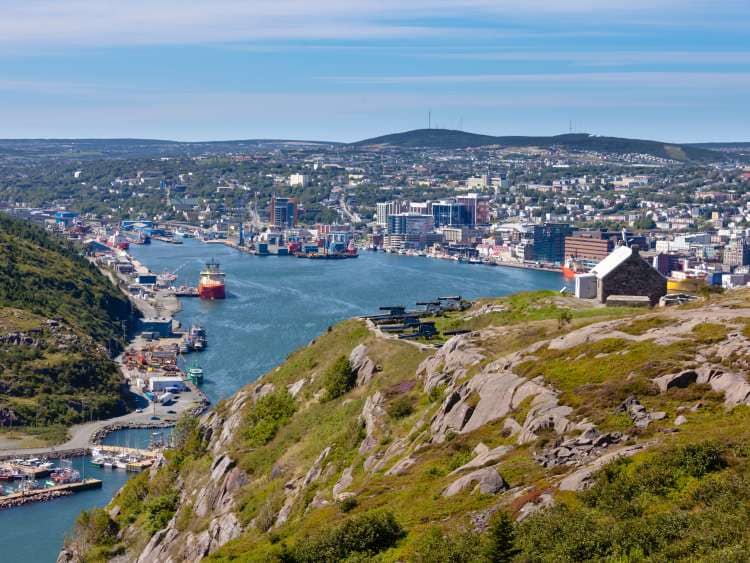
(271, 308)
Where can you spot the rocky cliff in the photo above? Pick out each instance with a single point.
(550, 431)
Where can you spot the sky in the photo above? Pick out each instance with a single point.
(344, 70)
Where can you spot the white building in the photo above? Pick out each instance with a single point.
(299, 180)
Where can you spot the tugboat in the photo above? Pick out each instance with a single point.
(211, 284)
(195, 374)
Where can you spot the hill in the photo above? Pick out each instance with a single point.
(550, 431)
(451, 139)
(60, 321)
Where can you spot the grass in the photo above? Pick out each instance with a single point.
(709, 333)
(640, 326)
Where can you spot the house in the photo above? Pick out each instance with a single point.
(624, 272)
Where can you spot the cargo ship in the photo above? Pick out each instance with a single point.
(211, 284)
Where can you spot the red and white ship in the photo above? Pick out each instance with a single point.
(211, 284)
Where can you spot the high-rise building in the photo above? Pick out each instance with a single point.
(737, 252)
(477, 208)
(386, 208)
(450, 214)
(549, 241)
(409, 224)
(283, 212)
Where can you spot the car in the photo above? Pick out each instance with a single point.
(155, 418)
(171, 412)
(139, 411)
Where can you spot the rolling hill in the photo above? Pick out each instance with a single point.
(452, 139)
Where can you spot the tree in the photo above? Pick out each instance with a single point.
(501, 539)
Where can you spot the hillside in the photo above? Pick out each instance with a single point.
(450, 139)
(550, 432)
(60, 320)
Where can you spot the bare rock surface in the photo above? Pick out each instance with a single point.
(451, 362)
(486, 480)
(484, 458)
(362, 366)
(373, 414)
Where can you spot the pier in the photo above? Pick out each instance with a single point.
(49, 493)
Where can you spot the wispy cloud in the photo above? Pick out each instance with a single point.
(700, 80)
(118, 22)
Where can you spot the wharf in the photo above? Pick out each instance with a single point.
(29, 471)
(36, 495)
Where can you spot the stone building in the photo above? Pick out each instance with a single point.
(625, 272)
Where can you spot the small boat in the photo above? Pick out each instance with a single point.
(195, 374)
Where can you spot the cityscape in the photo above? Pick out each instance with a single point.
(389, 282)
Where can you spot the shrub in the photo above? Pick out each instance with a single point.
(400, 408)
(348, 504)
(358, 537)
(435, 547)
(501, 539)
(339, 379)
(267, 415)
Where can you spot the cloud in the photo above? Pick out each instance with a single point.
(699, 80)
(145, 22)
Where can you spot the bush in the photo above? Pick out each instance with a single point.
(400, 408)
(435, 547)
(358, 537)
(267, 415)
(159, 511)
(339, 379)
(348, 504)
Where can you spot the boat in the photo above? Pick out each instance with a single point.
(195, 374)
(211, 284)
(573, 266)
(197, 337)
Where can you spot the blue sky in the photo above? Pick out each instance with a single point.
(676, 70)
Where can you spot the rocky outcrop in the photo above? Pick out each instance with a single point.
(486, 481)
(450, 363)
(676, 380)
(296, 387)
(640, 416)
(492, 395)
(576, 450)
(484, 457)
(344, 482)
(362, 366)
(372, 416)
(581, 478)
(735, 388)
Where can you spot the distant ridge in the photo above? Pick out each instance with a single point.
(452, 139)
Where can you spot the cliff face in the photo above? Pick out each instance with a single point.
(361, 446)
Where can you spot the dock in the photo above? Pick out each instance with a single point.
(49, 493)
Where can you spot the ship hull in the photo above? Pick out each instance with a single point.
(211, 292)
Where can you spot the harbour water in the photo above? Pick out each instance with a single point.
(274, 305)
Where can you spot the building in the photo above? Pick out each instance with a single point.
(161, 326)
(592, 246)
(625, 273)
(283, 212)
(161, 383)
(409, 224)
(549, 242)
(386, 208)
(477, 208)
(65, 218)
(299, 180)
(477, 182)
(450, 214)
(737, 252)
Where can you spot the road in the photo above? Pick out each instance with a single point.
(80, 434)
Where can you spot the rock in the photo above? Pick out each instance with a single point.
(511, 427)
(681, 380)
(343, 483)
(314, 472)
(317, 501)
(576, 451)
(296, 387)
(486, 480)
(362, 366)
(680, 420)
(402, 466)
(489, 456)
(480, 449)
(638, 413)
(372, 415)
(736, 390)
(580, 479)
(545, 500)
(449, 363)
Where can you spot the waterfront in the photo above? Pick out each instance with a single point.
(274, 305)
(277, 304)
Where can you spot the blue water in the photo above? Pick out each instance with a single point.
(275, 305)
